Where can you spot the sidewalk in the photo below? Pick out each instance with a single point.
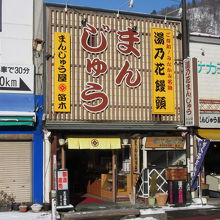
(15, 215)
(110, 210)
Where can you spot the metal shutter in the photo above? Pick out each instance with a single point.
(16, 169)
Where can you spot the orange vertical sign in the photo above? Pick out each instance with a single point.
(61, 72)
(163, 90)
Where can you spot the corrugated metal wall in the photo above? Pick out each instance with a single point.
(126, 104)
(16, 169)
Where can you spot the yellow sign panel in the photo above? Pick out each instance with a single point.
(163, 90)
(61, 72)
(164, 142)
(94, 143)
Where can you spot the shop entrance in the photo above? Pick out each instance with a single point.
(211, 171)
(91, 174)
(212, 159)
(85, 169)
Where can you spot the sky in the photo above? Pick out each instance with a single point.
(140, 6)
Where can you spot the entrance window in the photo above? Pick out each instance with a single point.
(166, 158)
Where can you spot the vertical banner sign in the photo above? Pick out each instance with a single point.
(135, 154)
(61, 72)
(188, 90)
(62, 187)
(163, 90)
(191, 92)
(203, 146)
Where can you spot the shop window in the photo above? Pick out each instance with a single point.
(166, 158)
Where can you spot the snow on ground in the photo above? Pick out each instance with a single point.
(170, 208)
(25, 215)
(146, 218)
(13, 215)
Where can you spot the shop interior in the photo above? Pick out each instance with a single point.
(163, 159)
(91, 173)
(210, 176)
(212, 159)
(166, 158)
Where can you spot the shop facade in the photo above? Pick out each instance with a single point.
(205, 49)
(114, 100)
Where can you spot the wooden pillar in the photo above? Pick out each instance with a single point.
(132, 168)
(135, 144)
(114, 176)
(53, 152)
(63, 157)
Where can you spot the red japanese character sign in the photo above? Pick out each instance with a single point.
(127, 39)
(96, 67)
(88, 32)
(128, 75)
(94, 92)
(95, 100)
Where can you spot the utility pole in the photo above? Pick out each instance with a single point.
(184, 30)
(185, 45)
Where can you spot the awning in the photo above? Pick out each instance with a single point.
(94, 143)
(211, 134)
(8, 118)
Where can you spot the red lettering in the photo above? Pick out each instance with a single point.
(96, 67)
(127, 40)
(87, 32)
(128, 75)
(94, 92)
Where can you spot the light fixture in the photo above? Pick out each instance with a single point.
(131, 3)
(38, 44)
(62, 141)
(84, 22)
(125, 141)
(179, 13)
(134, 28)
(203, 52)
(181, 128)
(65, 9)
(184, 133)
(179, 36)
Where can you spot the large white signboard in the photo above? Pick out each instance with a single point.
(208, 66)
(209, 120)
(208, 56)
(16, 78)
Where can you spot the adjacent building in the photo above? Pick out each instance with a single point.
(205, 48)
(21, 108)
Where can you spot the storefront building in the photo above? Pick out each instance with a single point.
(21, 139)
(206, 49)
(114, 101)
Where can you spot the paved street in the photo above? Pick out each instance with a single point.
(194, 214)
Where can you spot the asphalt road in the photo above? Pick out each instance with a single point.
(195, 214)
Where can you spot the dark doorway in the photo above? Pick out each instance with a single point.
(212, 159)
(85, 168)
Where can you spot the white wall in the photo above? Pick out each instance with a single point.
(208, 77)
(17, 32)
